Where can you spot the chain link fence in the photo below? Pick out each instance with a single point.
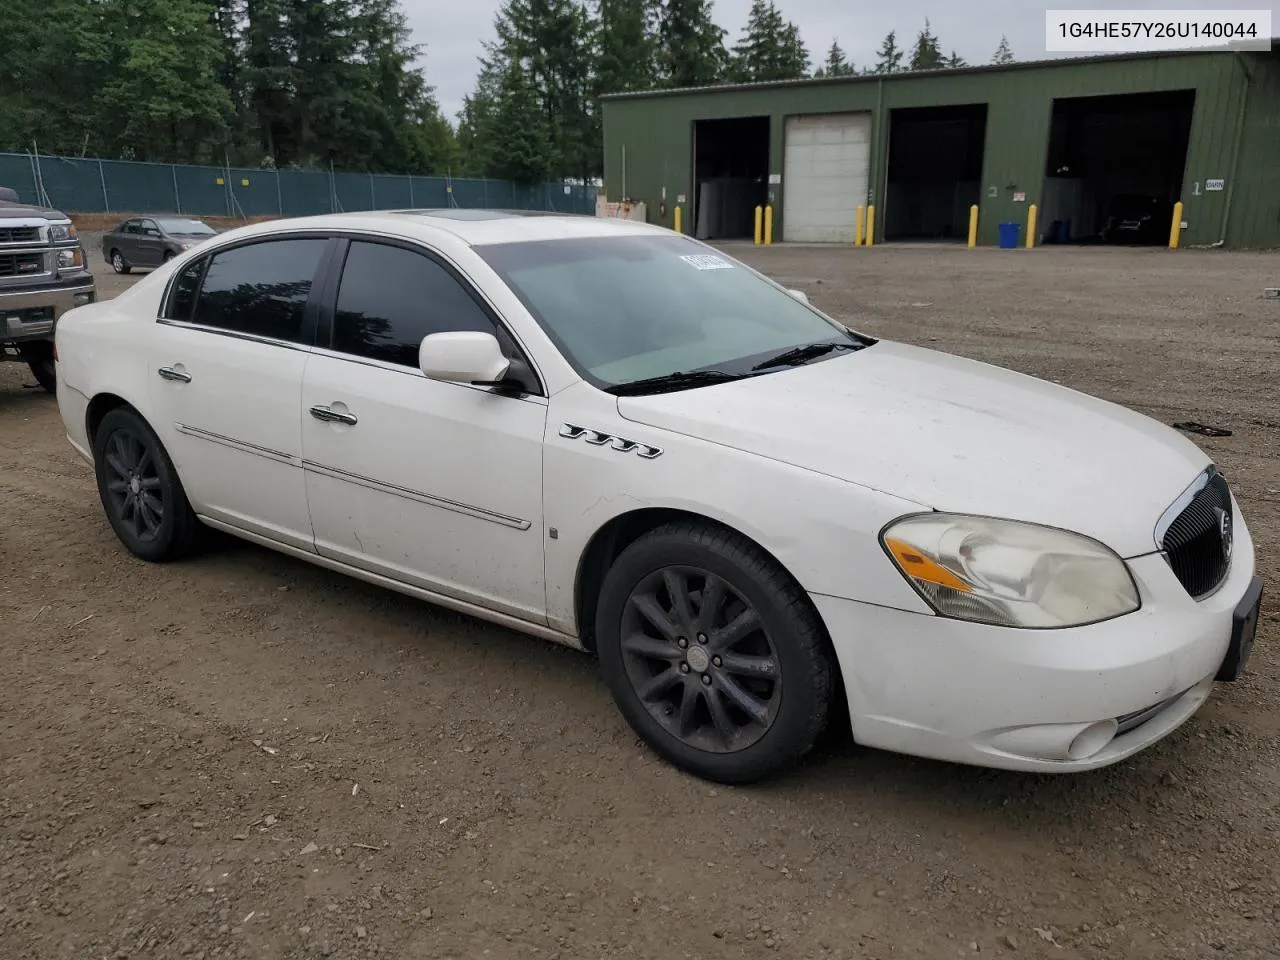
(80, 185)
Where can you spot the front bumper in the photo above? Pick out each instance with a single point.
(1036, 700)
(30, 313)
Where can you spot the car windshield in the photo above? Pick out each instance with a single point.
(188, 228)
(630, 308)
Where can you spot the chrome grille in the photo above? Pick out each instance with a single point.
(19, 234)
(21, 264)
(1197, 542)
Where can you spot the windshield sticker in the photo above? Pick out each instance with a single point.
(707, 261)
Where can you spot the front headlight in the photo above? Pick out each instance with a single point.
(1010, 573)
(62, 231)
(70, 259)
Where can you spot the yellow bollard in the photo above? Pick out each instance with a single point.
(677, 220)
(768, 224)
(1175, 229)
(973, 226)
(871, 225)
(859, 223)
(1031, 226)
(759, 215)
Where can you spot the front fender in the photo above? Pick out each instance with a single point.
(824, 531)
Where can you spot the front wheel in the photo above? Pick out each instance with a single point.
(140, 490)
(713, 653)
(118, 262)
(40, 361)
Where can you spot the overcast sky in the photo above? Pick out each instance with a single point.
(453, 31)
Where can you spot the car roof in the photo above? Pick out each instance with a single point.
(471, 226)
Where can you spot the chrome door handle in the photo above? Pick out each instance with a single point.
(321, 412)
(168, 373)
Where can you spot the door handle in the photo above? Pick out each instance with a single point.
(168, 373)
(324, 413)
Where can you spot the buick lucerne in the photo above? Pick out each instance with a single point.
(616, 437)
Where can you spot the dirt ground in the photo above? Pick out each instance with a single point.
(243, 756)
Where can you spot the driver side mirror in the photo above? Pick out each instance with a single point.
(463, 356)
(799, 295)
(151, 232)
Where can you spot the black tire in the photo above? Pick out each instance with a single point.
(140, 490)
(118, 263)
(168, 255)
(779, 658)
(40, 360)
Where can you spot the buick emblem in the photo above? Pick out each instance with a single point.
(1224, 530)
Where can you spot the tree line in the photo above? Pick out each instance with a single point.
(285, 83)
(314, 84)
(534, 112)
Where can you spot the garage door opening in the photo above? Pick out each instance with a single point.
(731, 176)
(935, 171)
(1115, 167)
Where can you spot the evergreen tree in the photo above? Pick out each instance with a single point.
(955, 61)
(283, 82)
(836, 65)
(927, 55)
(889, 56)
(690, 45)
(161, 59)
(795, 56)
(628, 46)
(551, 41)
(1003, 54)
(520, 133)
(769, 49)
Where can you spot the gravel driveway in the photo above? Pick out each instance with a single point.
(243, 756)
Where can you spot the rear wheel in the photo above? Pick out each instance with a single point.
(713, 653)
(118, 263)
(140, 490)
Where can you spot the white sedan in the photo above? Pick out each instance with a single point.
(618, 438)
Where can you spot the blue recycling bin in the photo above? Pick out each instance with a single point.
(1009, 235)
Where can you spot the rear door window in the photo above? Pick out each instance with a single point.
(260, 289)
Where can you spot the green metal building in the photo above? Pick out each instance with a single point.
(1090, 142)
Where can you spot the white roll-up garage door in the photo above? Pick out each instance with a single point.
(826, 164)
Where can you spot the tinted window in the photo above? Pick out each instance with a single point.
(184, 292)
(131, 226)
(390, 298)
(261, 288)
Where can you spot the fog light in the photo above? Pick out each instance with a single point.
(82, 299)
(1092, 739)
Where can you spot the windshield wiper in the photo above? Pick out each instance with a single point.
(673, 381)
(803, 354)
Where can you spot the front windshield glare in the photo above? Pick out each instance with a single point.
(628, 308)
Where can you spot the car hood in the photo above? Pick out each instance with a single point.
(952, 434)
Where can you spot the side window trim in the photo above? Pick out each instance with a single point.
(324, 341)
(171, 295)
(315, 297)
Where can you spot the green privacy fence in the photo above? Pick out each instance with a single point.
(80, 185)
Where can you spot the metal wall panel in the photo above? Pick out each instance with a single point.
(653, 132)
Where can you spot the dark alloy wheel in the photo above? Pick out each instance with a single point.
(713, 653)
(140, 490)
(699, 657)
(118, 262)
